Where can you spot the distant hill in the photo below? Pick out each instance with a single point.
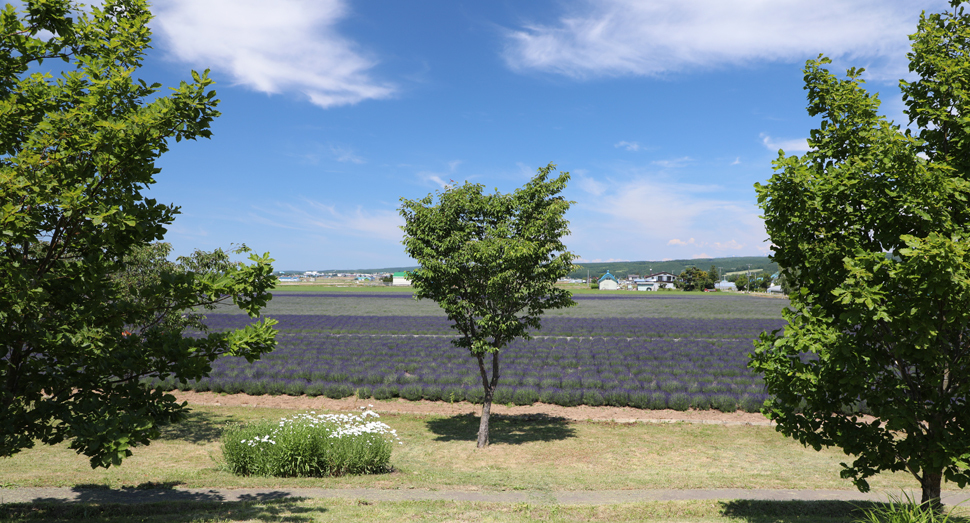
(622, 269)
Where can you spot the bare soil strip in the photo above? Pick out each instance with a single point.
(440, 408)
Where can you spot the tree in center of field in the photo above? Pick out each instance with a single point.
(491, 261)
(872, 227)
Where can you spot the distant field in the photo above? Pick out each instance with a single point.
(597, 304)
(643, 350)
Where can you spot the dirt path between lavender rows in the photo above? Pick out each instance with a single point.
(402, 406)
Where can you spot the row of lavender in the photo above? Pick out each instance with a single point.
(651, 373)
(551, 326)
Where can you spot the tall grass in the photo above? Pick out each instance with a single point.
(310, 445)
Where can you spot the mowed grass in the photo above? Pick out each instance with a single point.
(527, 453)
(296, 510)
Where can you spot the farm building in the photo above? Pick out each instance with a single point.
(608, 282)
(725, 285)
(400, 278)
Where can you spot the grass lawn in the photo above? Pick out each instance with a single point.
(441, 511)
(528, 453)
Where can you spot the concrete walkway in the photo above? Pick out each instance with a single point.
(568, 497)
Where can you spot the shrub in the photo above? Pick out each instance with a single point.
(474, 395)
(453, 393)
(593, 398)
(567, 398)
(255, 387)
(431, 392)
(616, 398)
(313, 389)
(724, 403)
(384, 392)
(364, 392)
(295, 387)
(309, 445)
(700, 402)
(640, 400)
(411, 392)
(678, 401)
(525, 396)
(548, 395)
(338, 391)
(502, 395)
(751, 403)
(658, 401)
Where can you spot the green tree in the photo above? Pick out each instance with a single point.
(491, 261)
(82, 320)
(693, 278)
(871, 228)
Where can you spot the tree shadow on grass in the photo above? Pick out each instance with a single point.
(197, 427)
(769, 511)
(504, 429)
(766, 511)
(200, 508)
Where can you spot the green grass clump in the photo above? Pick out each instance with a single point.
(309, 445)
(903, 509)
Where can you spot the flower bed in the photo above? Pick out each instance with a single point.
(310, 445)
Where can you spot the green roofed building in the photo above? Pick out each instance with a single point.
(400, 278)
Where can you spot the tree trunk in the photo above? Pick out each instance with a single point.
(930, 483)
(489, 385)
(483, 426)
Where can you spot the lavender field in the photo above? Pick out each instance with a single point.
(647, 362)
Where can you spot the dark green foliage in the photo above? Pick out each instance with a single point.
(871, 226)
(385, 392)
(724, 402)
(431, 392)
(678, 401)
(85, 311)
(525, 396)
(411, 392)
(364, 392)
(593, 398)
(616, 398)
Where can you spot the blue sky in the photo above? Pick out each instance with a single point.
(665, 113)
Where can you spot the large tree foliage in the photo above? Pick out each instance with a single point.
(80, 323)
(491, 261)
(871, 226)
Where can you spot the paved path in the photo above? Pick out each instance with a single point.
(568, 497)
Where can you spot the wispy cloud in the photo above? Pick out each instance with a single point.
(317, 217)
(797, 145)
(673, 163)
(654, 37)
(276, 47)
(438, 178)
(629, 146)
(343, 154)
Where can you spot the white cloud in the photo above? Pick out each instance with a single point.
(317, 217)
(653, 37)
(737, 161)
(436, 178)
(629, 146)
(591, 186)
(650, 217)
(798, 145)
(673, 163)
(343, 154)
(276, 47)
